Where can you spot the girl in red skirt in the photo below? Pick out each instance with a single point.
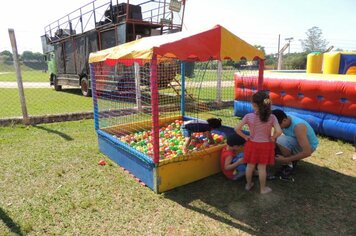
(259, 148)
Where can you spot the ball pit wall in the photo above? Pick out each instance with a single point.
(135, 162)
(329, 105)
(168, 173)
(190, 168)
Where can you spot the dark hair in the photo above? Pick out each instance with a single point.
(235, 139)
(261, 99)
(280, 115)
(214, 123)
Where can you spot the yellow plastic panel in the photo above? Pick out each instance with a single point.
(196, 166)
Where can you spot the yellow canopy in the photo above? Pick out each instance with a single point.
(216, 43)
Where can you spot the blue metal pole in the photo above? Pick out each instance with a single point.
(95, 96)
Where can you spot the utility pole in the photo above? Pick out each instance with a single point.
(280, 56)
(289, 40)
(279, 45)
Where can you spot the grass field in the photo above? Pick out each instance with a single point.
(27, 76)
(7, 73)
(51, 184)
(43, 102)
(211, 75)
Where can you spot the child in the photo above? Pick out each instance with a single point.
(192, 126)
(259, 148)
(231, 160)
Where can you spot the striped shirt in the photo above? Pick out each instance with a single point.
(259, 131)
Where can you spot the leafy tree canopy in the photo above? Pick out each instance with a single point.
(6, 53)
(314, 41)
(30, 56)
(295, 61)
(259, 47)
(6, 57)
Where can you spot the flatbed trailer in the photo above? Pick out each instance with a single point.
(98, 25)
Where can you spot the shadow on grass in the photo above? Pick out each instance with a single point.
(74, 91)
(320, 201)
(63, 135)
(15, 228)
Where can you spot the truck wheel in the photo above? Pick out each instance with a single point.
(84, 87)
(55, 84)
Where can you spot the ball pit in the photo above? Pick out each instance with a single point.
(171, 141)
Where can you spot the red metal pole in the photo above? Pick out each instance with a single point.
(260, 74)
(154, 105)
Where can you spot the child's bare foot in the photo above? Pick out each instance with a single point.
(266, 190)
(354, 157)
(248, 187)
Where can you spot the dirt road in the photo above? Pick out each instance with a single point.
(4, 84)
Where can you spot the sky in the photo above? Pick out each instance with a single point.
(258, 22)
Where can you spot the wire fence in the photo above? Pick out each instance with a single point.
(30, 95)
(26, 94)
(40, 99)
(143, 103)
(42, 103)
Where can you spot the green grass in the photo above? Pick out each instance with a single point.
(43, 101)
(27, 76)
(47, 101)
(7, 73)
(51, 184)
(211, 75)
(4, 67)
(209, 93)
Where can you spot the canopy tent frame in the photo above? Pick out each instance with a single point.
(213, 44)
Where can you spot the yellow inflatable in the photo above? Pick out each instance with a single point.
(332, 63)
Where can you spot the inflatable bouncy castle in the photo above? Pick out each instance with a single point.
(342, 63)
(325, 96)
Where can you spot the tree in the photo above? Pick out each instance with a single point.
(271, 61)
(28, 56)
(34, 60)
(261, 48)
(314, 41)
(295, 61)
(6, 53)
(6, 57)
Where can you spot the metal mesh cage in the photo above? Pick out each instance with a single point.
(142, 103)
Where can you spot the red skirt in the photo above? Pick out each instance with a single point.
(259, 153)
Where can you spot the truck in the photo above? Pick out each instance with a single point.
(99, 25)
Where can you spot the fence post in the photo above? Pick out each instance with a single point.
(138, 86)
(218, 83)
(155, 108)
(26, 120)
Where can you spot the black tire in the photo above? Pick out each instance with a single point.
(55, 84)
(85, 87)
